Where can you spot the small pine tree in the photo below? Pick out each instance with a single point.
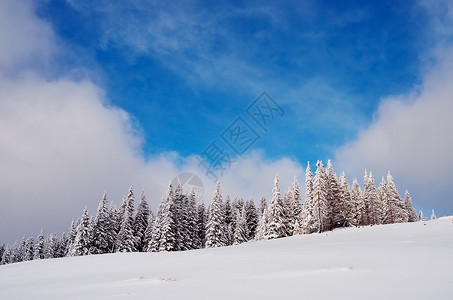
(421, 217)
(412, 214)
(433, 215)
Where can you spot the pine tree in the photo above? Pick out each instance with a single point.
(148, 233)
(125, 241)
(6, 257)
(262, 224)
(154, 244)
(83, 238)
(241, 230)
(141, 223)
(278, 223)
(100, 243)
(288, 214)
(251, 218)
(62, 245)
(359, 209)
(201, 225)
(215, 230)
(335, 200)
(411, 212)
(113, 227)
(308, 216)
(296, 208)
(370, 197)
(15, 255)
(50, 246)
(193, 222)
(39, 247)
(433, 215)
(348, 205)
(321, 207)
(383, 199)
(395, 205)
(2, 251)
(421, 217)
(263, 205)
(229, 222)
(167, 225)
(71, 236)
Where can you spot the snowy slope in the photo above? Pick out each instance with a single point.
(398, 261)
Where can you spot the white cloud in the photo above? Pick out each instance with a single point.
(23, 37)
(411, 136)
(62, 144)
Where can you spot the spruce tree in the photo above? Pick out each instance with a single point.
(433, 215)
(421, 217)
(39, 247)
(50, 246)
(335, 200)
(395, 204)
(125, 241)
(241, 230)
(374, 210)
(141, 223)
(348, 205)
(83, 238)
(201, 225)
(169, 238)
(62, 245)
(411, 212)
(321, 207)
(278, 223)
(100, 243)
(149, 232)
(263, 205)
(154, 244)
(15, 255)
(6, 257)
(2, 250)
(195, 241)
(229, 222)
(215, 230)
(308, 218)
(262, 225)
(251, 218)
(359, 209)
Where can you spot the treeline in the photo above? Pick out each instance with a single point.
(183, 224)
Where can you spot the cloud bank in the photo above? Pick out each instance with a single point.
(411, 136)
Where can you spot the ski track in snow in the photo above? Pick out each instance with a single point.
(397, 261)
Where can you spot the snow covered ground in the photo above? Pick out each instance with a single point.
(398, 261)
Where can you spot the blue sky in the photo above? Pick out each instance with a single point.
(103, 96)
(185, 71)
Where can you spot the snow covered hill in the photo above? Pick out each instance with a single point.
(397, 261)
